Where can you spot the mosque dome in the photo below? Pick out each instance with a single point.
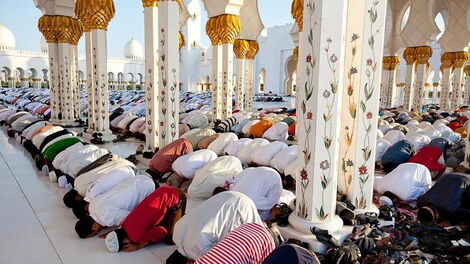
(133, 49)
(7, 40)
(43, 45)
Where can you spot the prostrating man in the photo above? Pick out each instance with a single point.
(151, 221)
(206, 225)
(248, 244)
(112, 207)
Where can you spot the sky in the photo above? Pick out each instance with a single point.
(21, 16)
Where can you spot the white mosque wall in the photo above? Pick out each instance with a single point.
(274, 51)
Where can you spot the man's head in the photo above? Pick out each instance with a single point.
(80, 209)
(116, 240)
(71, 198)
(87, 227)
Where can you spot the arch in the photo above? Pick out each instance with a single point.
(440, 20)
(130, 77)
(405, 17)
(32, 73)
(120, 77)
(110, 76)
(44, 74)
(290, 68)
(140, 77)
(19, 73)
(261, 80)
(80, 75)
(7, 72)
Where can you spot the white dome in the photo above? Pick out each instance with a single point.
(7, 40)
(43, 45)
(133, 49)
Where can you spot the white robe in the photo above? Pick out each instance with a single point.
(64, 156)
(220, 143)
(39, 138)
(28, 132)
(284, 158)
(107, 182)
(83, 158)
(262, 184)
(213, 175)
(82, 182)
(408, 181)
(112, 207)
(245, 153)
(187, 165)
(206, 225)
(263, 155)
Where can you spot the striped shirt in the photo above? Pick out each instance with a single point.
(248, 244)
(227, 124)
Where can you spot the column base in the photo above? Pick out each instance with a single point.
(56, 122)
(106, 137)
(315, 245)
(304, 225)
(69, 123)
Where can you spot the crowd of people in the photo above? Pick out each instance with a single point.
(222, 190)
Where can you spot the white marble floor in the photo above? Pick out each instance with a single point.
(36, 227)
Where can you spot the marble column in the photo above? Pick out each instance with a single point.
(321, 78)
(168, 81)
(467, 85)
(297, 12)
(216, 84)
(460, 58)
(240, 48)
(249, 75)
(151, 76)
(65, 82)
(447, 60)
(388, 88)
(364, 46)
(96, 14)
(422, 55)
(90, 84)
(54, 83)
(435, 91)
(410, 58)
(24, 82)
(75, 81)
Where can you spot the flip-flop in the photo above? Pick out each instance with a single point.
(111, 242)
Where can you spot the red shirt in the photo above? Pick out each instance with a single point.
(142, 224)
(162, 160)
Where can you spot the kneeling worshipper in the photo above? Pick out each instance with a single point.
(205, 226)
(162, 161)
(291, 254)
(214, 174)
(247, 244)
(4, 114)
(397, 154)
(85, 180)
(151, 221)
(263, 185)
(62, 158)
(112, 207)
(50, 152)
(185, 167)
(432, 158)
(448, 199)
(407, 183)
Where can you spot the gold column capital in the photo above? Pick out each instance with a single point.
(211, 30)
(466, 69)
(181, 41)
(223, 29)
(150, 3)
(390, 63)
(60, 29)
(460, 58)
(295, 52)
(422, 54)
(254, 48)
(435, 84)
(409, 55)
(241, 48)
(447, 60)
(297, 12)
(94, 14)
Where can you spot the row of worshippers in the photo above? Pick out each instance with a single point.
(109, 191)
(422, 155)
